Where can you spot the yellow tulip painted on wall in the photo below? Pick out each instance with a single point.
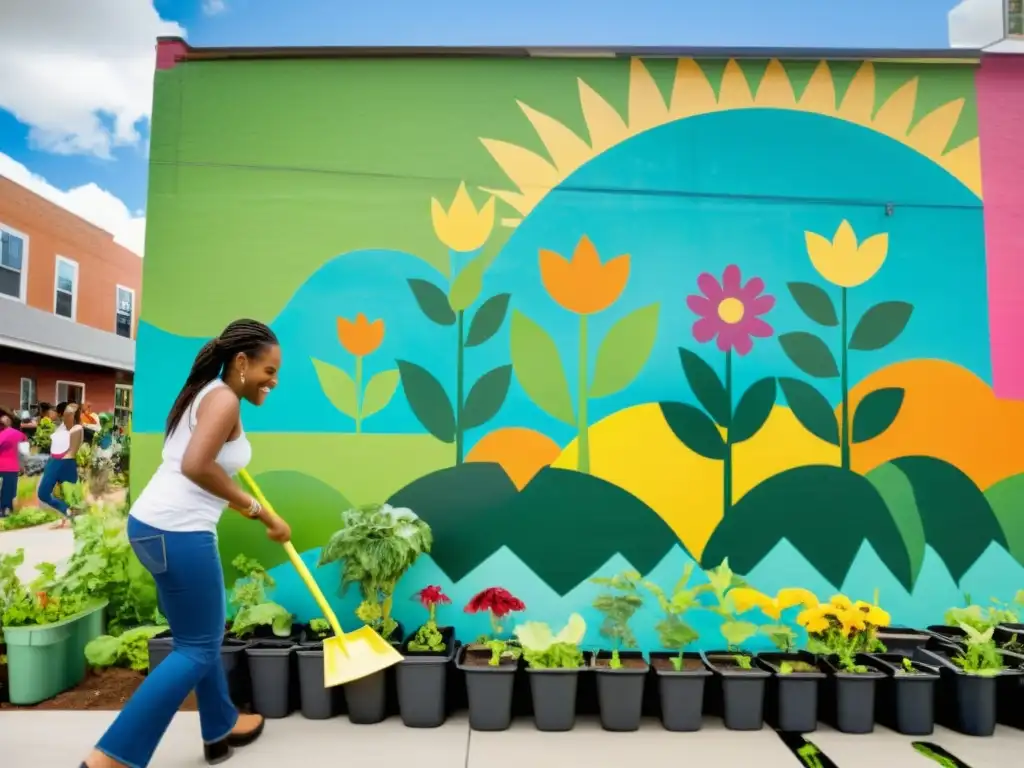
(462, 227)
(842, 261)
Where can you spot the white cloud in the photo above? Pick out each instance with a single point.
(89, 201)
(214, 7)
(80, 74)
(975, 23)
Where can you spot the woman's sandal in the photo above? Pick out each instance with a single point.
(218, 751)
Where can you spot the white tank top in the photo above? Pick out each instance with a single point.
(172, 502)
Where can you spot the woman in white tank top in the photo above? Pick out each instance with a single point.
(172, 529)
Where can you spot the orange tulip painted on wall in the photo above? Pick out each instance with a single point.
(583, 284)
(360, 336)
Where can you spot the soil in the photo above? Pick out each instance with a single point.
(108, 690)
(802, 666)
(689, 665)
(729, 663)
(477, 656)
(626, 663)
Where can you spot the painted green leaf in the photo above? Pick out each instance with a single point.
(432, 301)
(946, 498)
(880, 325)
(467, 285)
(1007, 500)
(488, 319)
(539, 369)
(695, 429)
(486, 397)
(898, 494)
(624, 351)
(753, 410)
(789, 506)
(811, 409)
(379, 391)
(338, 386)
(706, 386)
(876, 413)
(428, 400)
(815, 303)
(810, 354)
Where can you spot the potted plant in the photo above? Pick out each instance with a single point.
(681, 675)
(906, 697)
(620, 674)
(738, 686)
(423, 675)
(46, 627)
(553, 663)
(376, 545)
(490, 663)
(266, 627)
(970, 677)
(844, 633)
(791, 702)
(316, 701)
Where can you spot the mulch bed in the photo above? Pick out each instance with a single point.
(101, 690)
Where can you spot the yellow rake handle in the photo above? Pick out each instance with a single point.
(300, 566)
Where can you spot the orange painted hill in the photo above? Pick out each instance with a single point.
(948, 413)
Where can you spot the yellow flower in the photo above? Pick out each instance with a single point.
(744, 599)
(852, 621)
(814, 619)
(841, 602)
(791, 596)
(873, 614)
(583, 285)
(841, 261)
(462, 228)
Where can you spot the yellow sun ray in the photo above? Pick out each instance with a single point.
(692, 94)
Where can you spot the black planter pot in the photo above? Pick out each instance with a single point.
(969, 703)
(488, 689)
(367, 698)
(422, 683)
(620, 692)
(159, 648)
(906, 702)
(316, 701)
(739, 693)
(791, 702)
(271, 666)
(681, 693)
(902, 640)
(946, 636)
(553, 692)
(848, 701)
(1009, 633)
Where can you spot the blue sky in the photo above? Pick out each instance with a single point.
(60, 134)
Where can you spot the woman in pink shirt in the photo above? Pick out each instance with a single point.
(10, 438)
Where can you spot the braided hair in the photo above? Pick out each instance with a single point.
(248, 337)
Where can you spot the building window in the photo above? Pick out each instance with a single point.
(122, 404)
(28, 394)
(70, 392)
(13, 263)
(65, 288)
(125, 312)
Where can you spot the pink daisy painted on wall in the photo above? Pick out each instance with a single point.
(729, 312)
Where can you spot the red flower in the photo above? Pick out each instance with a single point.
(496, 600)
(431, 596)
(43, 598)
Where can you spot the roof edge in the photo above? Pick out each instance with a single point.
(172, 50)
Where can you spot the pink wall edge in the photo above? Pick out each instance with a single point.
(1000, 90)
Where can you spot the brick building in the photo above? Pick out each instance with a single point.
(69, 307)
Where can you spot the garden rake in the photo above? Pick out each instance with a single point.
(347, 657)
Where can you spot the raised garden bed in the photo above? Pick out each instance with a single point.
(108, 689)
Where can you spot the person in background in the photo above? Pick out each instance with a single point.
(89, 419)
(62, 467)
(10, 438)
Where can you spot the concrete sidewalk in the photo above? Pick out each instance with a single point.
(61, 739)
(41, 544)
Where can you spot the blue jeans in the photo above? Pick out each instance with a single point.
(8, 491)
(55, 472)
(190, 586)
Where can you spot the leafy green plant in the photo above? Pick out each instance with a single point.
(44, 433)
(673, 632)
(321, 628)
(735, 632)
(981, 618)
(376, 545)
(428, 637)
(129, 649)
(28, 517)
(843, 629)
(619, 604)
(249, 597)
(542, 649)
(907, 667)
(980, 655)
(27, 487)
(44, 601)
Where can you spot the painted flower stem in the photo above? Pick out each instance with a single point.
(727, 463)
(844, 430)
(359, 394)
(583, 442)
(460, 384)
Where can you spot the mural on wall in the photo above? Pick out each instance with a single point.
(741, 314)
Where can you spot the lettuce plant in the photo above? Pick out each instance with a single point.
(543, 649)
(249, 597)
(980, 655)
(129, 649)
